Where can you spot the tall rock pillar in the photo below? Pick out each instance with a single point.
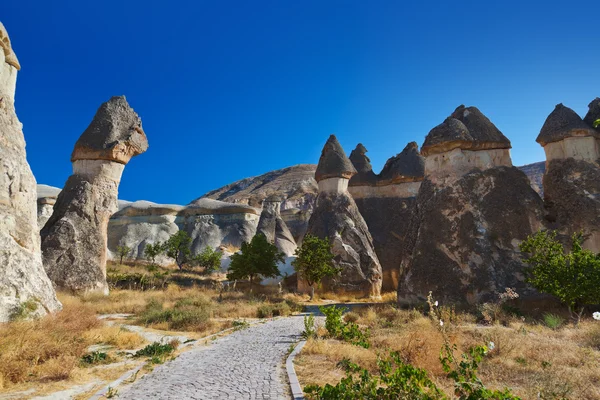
(337, 218)
(572, 176)
(472, 211)
(74, 240)
(22, 277)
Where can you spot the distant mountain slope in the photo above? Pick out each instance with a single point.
(296, 184)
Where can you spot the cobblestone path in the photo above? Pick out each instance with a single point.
(247, 364)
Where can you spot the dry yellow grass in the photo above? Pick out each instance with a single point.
(529, 358)
(50, 349)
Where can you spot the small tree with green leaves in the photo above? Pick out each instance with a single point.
(123, 251)
(209, 259)
(178, 248)
(314, 261)
(258, 258)
(573, 277)
(596, 123)
(151, 251)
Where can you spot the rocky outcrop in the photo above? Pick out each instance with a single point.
(274, 227)
(462, 243)
(572, 177)
(296, 185)
(535, 173)
(46, 198)
(210, 223)
(74, 240)
(22, 277)
(386, 202)
(593, 113)
(337, 218)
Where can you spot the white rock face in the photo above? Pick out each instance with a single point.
(397, 190)
(333, 185)
(578, 148)
(22, 277)
(451, 165)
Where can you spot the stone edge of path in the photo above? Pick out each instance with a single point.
(102, 392)
(295, 387)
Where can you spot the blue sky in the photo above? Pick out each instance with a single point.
(231, 89)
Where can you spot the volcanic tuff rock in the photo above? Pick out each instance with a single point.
(74, 240)
(572, 177)
(362, 163)
(210, 223)
(295, 184)
(593, 113)
(337, 218)
(462, 243)
(22, 277)
(387, 202)
(274, 228)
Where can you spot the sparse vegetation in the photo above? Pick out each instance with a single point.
(177, 247)
(258, 258)
(123, 251)
(314, 261)
(553, 321)
(573, 276)
(151, 251)
(209, 259)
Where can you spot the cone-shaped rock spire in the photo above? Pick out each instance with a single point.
(563, 123)
(333, 162)
(468, 129)
(593, 113)
(362, 163)
(407, 166)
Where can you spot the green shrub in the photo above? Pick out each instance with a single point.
(24, 310)
(190, 313)
(274, 310)
(157, 349)
(310, 330)
(553, 321)
(94, 358)
(346, 331)
(396, 380)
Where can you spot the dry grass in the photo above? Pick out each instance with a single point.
(50, 349)
(529, 358)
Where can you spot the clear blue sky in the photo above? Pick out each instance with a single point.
(231, 89)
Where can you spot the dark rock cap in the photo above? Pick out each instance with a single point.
(333, 162)
(593, 113)
(115, 134)
(9, 55)
(407, 166)
(362, 163)
(563, 123)
(467, 128)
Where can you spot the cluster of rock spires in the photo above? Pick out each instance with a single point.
(447, 219)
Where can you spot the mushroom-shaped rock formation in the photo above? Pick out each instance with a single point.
(46, 198)
(274, 227)
(572, 177)
(387, 203)
(74, 240)
(362, 163)
(462, 240)
(22, 276)
(465, 141)
(593, 113)
(566, 135)
(337, 218)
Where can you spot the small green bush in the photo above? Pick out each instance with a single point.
(156, 349)
(310, 330)
(274, 310)
(346, 331)
(553, 321)
(190, 313)
(95, 358)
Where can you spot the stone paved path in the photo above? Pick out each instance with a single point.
(247, 364)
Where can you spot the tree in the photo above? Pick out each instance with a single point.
(314, 261)
(209, 259)
(597, 123)
(123, 251)
(178, 248)
(573, 277)
(153, 250)
(258, 258)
